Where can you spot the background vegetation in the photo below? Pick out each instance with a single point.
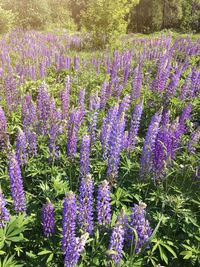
(104, 19)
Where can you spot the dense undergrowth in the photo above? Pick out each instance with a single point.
(71, 118)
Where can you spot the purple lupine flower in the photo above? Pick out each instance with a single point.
(165, 117)
(68, 221)
(194, 139)
(53, 148)
(137, 82)
(28, 113)
(84, 156)
(106, 128)
(16, 183)
(149, 143)
(186, 87)
(43, 109)
(81, 98)
(31, 138)
(185, 116)
(135, 123)
(141, 226)
(3, 130)
(195, 80)
(175, 134)
(126, 72)
(164, 66)
(103, 204)
(161, 152)
(174, 81)
(85, 207)
(48, 220)
(65, 97)
(21, 147)
(124, 106)
(103, 98)
(117, 239)
(54, 130)
(74, 250)
(73, 127)
(125, 140)
(94, 106)
(4, 213)
(116, 146)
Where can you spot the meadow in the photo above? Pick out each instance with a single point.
(99, 150)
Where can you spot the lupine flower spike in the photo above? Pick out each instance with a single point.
(117, 239)
(141, 225)
(16, 183)
(104, 204)
(48, 220)
(85, 207)
(4, 213)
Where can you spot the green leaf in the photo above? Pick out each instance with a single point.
(170, 250)
(50, 257)
(44, 252)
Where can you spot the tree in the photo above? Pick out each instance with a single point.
(105, 19)
(63, 15)
(30, 13)
(191, 16)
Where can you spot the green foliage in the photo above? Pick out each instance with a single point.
(62, 18)
(31, 14)
(191, 16)
(105, 19)
(155, 15)
(7, 19)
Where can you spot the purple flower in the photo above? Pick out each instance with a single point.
(29, 116)
(185, 116)
(117, 239)
(141, 225)
(31, 138)
(104, 204)
(116, 146)
(165, 117)
(137, 82)
(94, 106)
(65, 97)
(124, 106)
(74, 250)
(81, 98)
(186, 87)
(106, 128)
(194, 139)
(68, 221)
(125, 140)
(85, 207)
(103, 98)
(164, 66)
(16, 183)
(3, 130)
(161, 151)
(4, 213)
(149, 143)
(48, 220)
(84, 156)
(21, 147)
(43, 109)
(135, 123)
(74, 124)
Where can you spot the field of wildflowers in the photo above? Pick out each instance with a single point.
(99, 151)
